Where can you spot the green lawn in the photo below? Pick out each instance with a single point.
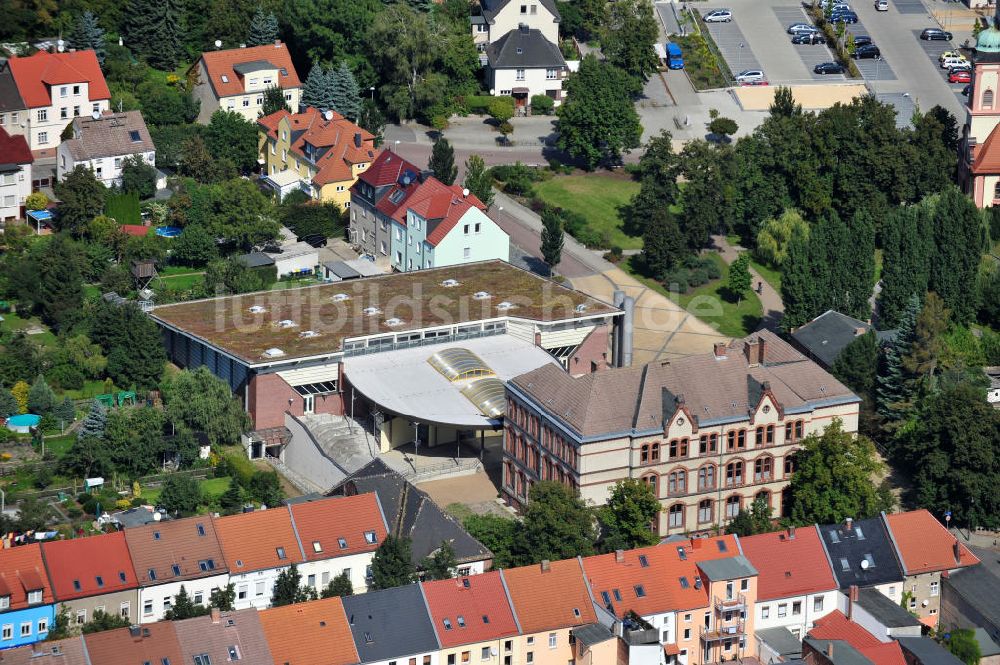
(173, 271)
(770, 275)
(182, 282)
(60, 445)
(90, 389)
(12, 322)
(596, 196)
(211, 490)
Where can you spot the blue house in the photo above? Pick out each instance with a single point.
(27, 606)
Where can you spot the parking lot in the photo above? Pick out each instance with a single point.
(733, 46)
(909, 6)
(934, 50)
(871, 69)
(811, 54)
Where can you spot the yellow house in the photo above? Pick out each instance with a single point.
(322, 153)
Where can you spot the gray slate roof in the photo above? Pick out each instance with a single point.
(109, 136)
(987, 647)
(829, 334)
(979, 587)
(781, 640)
(10, 98)
(592, 633)
(731, 568)
(410, 512)
(253, 66)
(393, 623)
(927, 651)
(843, 652)
(493, 7)
(847, 549)
(256, 259)
(524, 49)
(888, 613)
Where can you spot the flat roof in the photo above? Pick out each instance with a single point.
(418, 299)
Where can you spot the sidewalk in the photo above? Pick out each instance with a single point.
(770, 299)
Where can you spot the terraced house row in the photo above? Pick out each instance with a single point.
(686, 601)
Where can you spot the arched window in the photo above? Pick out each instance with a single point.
(676, 516)
(734, 474)
(644, 454)
(760, 436)
(988, 98)
(706, 477)
(677, 482)
(732, 506)
(789, 464)
(769, 440)
(704, 511)
(651, 480)
(654, 453)
(764, 496)
(762, 469)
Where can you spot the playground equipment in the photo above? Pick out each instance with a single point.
(122, 398)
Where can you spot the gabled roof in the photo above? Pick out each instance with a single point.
(10, 98)
(789, 563)
(524, 48)
(546, 599)
(862, 555)
(617, 581)
(387, 168)
(149, 643)
(836, 626)
(829, 334)
(22, 570)
(493, 7)
(339, 143)
(470, 609)
(36, 74)
(110, 135)
(686, 559)
(392, 623)
(310, 633)
(924, 545)
(338, 526)
(216, 633)
(89, 566)
(14, 150)
(987, 156)
(69, 651)
(175, 550)
(226, 81)
(257, 540)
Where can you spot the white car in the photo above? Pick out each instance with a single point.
(718, 16)
(950, 62)
(882, 5)
(750, 76)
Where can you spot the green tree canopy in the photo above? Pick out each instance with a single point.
(557, 524)
(962, 643)
(552, 238)
(182, 607)
(81, 197)
(753, 521)
(629, 36)
(263, 28)
(776, 233)
(392, 564)
(346, 93)
(478, 180)
(288, 588)
(235, 210)
(181, 494)
(88, 34)
(101, 621)
(41, 399)
(499, 534)
(338, 586)
(442, 161)
(202, 402)
(138, 176)
(626, 517)
(739, 279)
(224, 599)
(131, 341)
(231, 136)
(663, 244)
(153, 29)
(658, 170)
(195, 247)
(274, 101)
(58, 293)
(441, 564)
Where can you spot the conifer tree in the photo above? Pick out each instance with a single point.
(798, 283)
(153, 29)
(552, 238)
(316, 89)
(263, 28)
(8, 405)
(87, 34)
(442, 162)
(392, 564)
(478, 179)
(93, 425)
(893, 382)
(346, 95)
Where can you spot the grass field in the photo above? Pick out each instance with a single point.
(181, 282)
(211, 489)
(13, 322)
(90, 389)
(596, 196)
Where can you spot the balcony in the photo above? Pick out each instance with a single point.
(737, 603)
(726, 632)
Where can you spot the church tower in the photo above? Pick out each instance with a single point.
(980, 159)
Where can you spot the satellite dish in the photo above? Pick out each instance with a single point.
(864, 564)
(96, 115)
(328, 114)
(465, 193)
(218, 43)
(60, 44)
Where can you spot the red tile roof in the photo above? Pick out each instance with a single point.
(440, 204)
(89, 566)
(310, 633)
(695, 550)
(36, 74)
(221, 63)
(322, 524)
(151, 643)
(476, 609)
(789, 566)
(986, 159)
(618, 580)
(386, 169)
(250, 541)
(836, 626)
(548, 599)
(14, 149)
(343, 142)
(189, 544)
(137, 230)
(924, 545)
(22, 570)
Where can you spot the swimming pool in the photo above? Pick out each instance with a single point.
(168, 231)
(23, 422)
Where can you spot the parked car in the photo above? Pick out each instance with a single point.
(935, 34)
(796, 28)
(829, 68)
(867, 51)
(962, 65)
(950, 54)
(861, 40)
(844, 17)
(718, 16)
(967, 89)
(840, 7)
(808, 38)
(948, 63)
(960, 76)
(749, 75)
(882, 5)
(313, 240)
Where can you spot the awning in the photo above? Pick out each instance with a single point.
(329, 373)
(519, 91)
(671, 649)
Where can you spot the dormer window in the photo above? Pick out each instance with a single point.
(317, 547)
(342, 542)
(76, 585)
(225, 79)
(370, 537)
(281, 552)
(4, 602)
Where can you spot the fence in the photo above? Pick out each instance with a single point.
(153, 480)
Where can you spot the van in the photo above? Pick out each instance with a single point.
(675, 60)
(882, 5)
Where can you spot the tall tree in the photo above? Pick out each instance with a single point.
(776, 233)
(131, 341)
(557, 524)
(598, 121)
(856, 366)
(923, 362)
(552, 238)
(894, 385)
(709, 198)
(478, 179)
(183, 607)
(274, 101)
(224, 598)
(962, 643)
(41, 399)
(739, 279)
(202, 402)
(907, 241)
(658, 171)
(88, 34)
(317, 91)
(958, 248)
(339, 586)
(442, 161)
(288, 588)
(138, 176)
(181, 494)
(626, 517)
(370, 118)
(392, 564)
(93, 424)
(798, 283)
(753, 521)
(101, 621)
(263, 28)
(231, 136)
(152, 29)
(662, 244)
(441, 564)
(629, 37)
(501, 535)
(59, 295)
(346, 93)
(81, 197)
(8, 404)
(329, 29)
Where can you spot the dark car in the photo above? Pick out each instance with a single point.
(809, 38)
(314, 240)
(861, 40)
(935, 34)
(967, 89)
(867, 51)
(844, 17)
(829, 68)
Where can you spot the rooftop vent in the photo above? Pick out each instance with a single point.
(287, 323)
(393, 322)
(371, 311)
(341, 297)
(480, 295)
(449, 283)
(580, 309)
(273, 352)
(257, 309)
(504, 306)
(308, 334)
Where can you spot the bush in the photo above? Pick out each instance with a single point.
(614, 255)
(74, 513)
(677, 280)
(697, 277)
(542, 104)
(478, 104)
(65, 377)
(137, 501)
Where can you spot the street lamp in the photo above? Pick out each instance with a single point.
(372, 90)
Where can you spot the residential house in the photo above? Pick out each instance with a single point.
(174, 554)
(595, 644)
(226, 637)
(549, 600)
(925, 550)
(731, 583)
(437, 225)
(371, 208)
(320, 152)
(26, 601)
(13, 109)
(709, 433)
(795, 585)
(69, 651)
(153, 643)
(339, 535)
(392, 626)
(410, 513)
(881, 617)
(970, 598)
(102, 143)
(92, 573)
(861, 554)
(309, 633)
(235, 80)
(472, 618)
(836, 640)
(824, 338)
(15, 175)
(55, 88)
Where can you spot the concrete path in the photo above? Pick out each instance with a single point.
(769, 297)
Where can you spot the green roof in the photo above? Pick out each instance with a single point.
(988, 41)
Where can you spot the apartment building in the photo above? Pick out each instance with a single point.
(26, 603)
(308, 633)
(372, 204)
(102, 143)
(54, 89)
(225, 637)
(863, 555)
(15, 175)
(235, 80)
(709, 433)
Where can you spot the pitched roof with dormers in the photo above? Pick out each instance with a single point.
(789, 563)
(259, 540)
(684, 556)
(221, 67)
(37, 74)
(470, 609)
(549, 596)
(443, 206)
(175, 550)
(310, 633)
(334, 146)
(218, 632)
(388, 168)
(89, 566)
(149, 643)
(68, 651)
(636, 580)
(21, 571)
(110, 135)
(391, 623)
(924, 545)
(338, 526)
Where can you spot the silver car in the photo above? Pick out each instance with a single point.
(797, 28)
(750, 76)
(718, 16)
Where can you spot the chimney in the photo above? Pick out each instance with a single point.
(829, 650)
(619, 556)
(134, 631)
(852, 597)
(761, 350)
(277, 43)
(523, 27)
(696, 543)
(720, 349)
(957, 549)
(849, 523)
(751, 352)
(546, 566)
(697, 583)
(216, 615)
(357, 139)
(791, 533)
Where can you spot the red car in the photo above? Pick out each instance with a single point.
(960, 76)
